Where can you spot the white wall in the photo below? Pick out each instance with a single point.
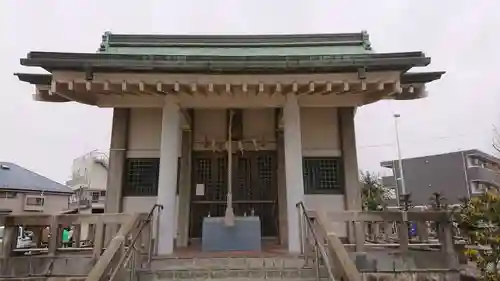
(143, 204)
(321, 137)
(144, 133)
(320, 132)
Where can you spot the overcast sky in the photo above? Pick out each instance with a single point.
(461, 37)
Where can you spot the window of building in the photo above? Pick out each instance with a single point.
(7, 194)
(322, 175)
(103, 193)
(35, 201)
(95, 196)
(479, 188)
(141, 177)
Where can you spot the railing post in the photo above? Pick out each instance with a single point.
(98, 238)
(403, 232)
(301, 230)
(55, 236)
(77, 234)
(447, 244)
(387, 230)
(316, 251)
(422, 231)
(360, 236)
(8, 244)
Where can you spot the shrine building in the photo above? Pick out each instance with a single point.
(257, 123)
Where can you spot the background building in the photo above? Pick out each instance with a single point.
(88, 181)
(22, 190)
(455, 175)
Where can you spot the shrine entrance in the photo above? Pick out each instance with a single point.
(255, 189)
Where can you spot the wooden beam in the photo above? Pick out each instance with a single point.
(310, 89)
(62, 89)
(345, 86)
(260, 89)
(244, 88)
(278, 89)
(327, 90)
(363, 85)
(210, 88)
(194, 88)
(295, 87)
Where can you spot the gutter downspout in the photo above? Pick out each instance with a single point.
(467, 182)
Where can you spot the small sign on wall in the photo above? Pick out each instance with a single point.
(200, 189)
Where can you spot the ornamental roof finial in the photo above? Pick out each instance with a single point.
(104, 42)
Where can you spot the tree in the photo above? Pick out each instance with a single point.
(495, 142)
(479, 222)
(373, 193)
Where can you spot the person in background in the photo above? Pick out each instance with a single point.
(70, 236)
(65, 237)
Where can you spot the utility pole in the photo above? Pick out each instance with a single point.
(401, 178)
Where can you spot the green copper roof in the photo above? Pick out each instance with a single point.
(237, 45)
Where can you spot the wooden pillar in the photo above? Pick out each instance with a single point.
(167, 178)
(116, 166)
(352, 188)
(282, 209)
(293, 169)
(117, 156)
(184, 190)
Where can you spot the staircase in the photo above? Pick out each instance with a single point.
(278, 267)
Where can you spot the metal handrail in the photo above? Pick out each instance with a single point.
(124, 259)
(320, 247)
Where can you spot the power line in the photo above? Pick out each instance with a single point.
(418, 140)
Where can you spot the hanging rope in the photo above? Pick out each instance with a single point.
(229, 216)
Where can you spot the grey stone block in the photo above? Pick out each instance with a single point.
(245, 235)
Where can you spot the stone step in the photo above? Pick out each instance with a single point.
(227, 263)
(234, 268)
(232, 274)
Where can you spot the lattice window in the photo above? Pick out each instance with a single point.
(265, 175)
(220, 184)
(141, 177)
(323, 175)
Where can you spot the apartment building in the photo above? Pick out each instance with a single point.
(88, 181)
(22, 190)
(455, 175)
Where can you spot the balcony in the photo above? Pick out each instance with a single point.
(77, 180)
(82, 203)
(88, 203)
(484, 175)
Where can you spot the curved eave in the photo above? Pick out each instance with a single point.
(225, 64)
(421, 77)
(413, 84)
(36, 79)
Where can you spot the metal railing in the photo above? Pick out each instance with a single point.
(131, 254)
(307, 231)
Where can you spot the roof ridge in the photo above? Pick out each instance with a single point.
(235, 40)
